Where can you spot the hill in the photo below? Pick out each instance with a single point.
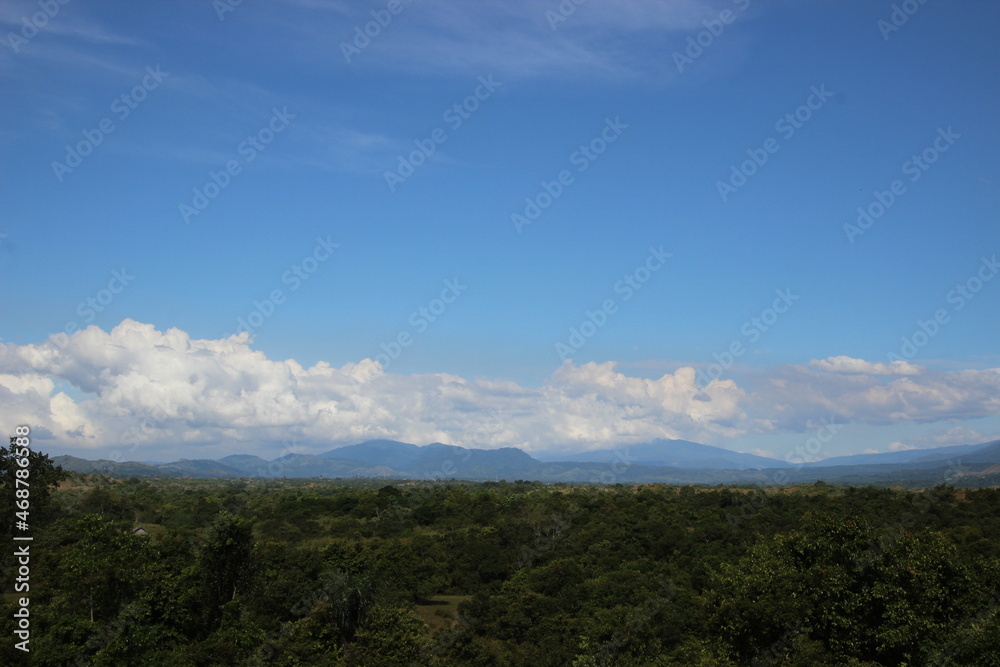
(666, 461)
(675, 453)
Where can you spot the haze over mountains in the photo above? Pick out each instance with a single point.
(674, 453)
(668, 461)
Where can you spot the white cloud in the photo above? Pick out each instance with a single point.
(137, 386)
(843, 364)
(158, 389)
(793, 396)
(957, 435)
(898, 446)
(28, 398)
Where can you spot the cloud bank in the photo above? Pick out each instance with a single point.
(165, 392)
(795, 397)
(138, 385)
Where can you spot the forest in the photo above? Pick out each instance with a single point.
(375, 572)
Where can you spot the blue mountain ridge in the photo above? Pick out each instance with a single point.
(667, 461)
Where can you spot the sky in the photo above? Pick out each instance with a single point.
(244, 227)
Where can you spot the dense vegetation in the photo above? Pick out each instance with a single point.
(363, 573)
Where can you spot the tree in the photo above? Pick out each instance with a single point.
(43, 476)
(102, 566)
(390, 636)
(224, 561)
(865, 594)
(347, 602)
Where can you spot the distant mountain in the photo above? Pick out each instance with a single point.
(307, 465)
(377, 453)
(667, 461)
(676, 453)
(200, 468)
(247, 464)
(936, 453)
(112, 468)
(987, 453)
(437, 460)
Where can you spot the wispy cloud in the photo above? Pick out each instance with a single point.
(65, 23)
(516, 38)
(843, 364)
(66, 38)
(346, 149)
(956, 435)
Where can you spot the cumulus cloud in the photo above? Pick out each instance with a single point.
(30, 398)
(144, 387)
(796, 396)
(169, 394)
(843, 364)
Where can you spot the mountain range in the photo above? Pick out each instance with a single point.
(667, 461)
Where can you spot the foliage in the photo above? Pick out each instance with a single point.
(43, 476)
(332, 573)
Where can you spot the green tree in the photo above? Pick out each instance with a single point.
(224, 562)
(390, 636)
(883, 595)
(102, 567)
(43, 477)
(347, 601)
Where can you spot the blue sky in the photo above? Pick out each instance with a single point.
(172, 171)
